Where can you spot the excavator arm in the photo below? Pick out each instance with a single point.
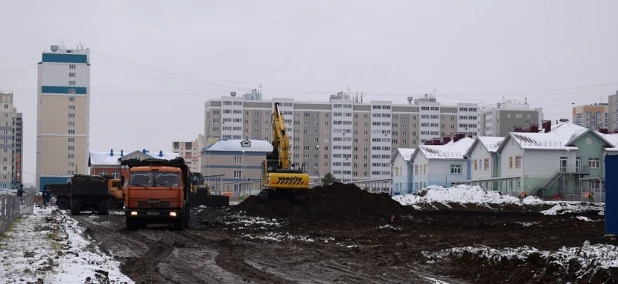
(281, 140)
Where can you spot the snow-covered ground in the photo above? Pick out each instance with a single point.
(48, 246)
(461, 194)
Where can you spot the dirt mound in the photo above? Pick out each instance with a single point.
(336, 201)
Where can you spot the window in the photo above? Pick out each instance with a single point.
(71, 107)
(71, 83)
(71, 131)
(594, 163)
(71, 66)
(71, 123)
(71, 99)
(103, 172)
(518, 161)
(71, 140)
(71, 74)
(486, 162)
(71, 165)
(237, 174)
(510, 162)
(237, 160)
(456, 169)
(116, 174)
(71, 156)
(475, 166)
(71, 115)
(71, 148)
(5, 168)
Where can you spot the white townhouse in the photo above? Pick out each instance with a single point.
(401, 171)
(484, 162)
(442, 165)
(547, 164)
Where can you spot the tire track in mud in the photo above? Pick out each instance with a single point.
(231, 257)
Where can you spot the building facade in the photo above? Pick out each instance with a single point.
(402, 175)
(18, 126)
(108, 163)
(191, 151)
(7, 135)
(352, 139)
(593, 116)
(612, 108)
(63, 114)
(234, 165)
(502, 118)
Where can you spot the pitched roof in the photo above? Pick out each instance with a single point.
(235, 145)
(98, 158)
(612, 139)
(405, 153)
(451, 150)
(491, 143)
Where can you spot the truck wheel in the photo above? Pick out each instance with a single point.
(187, 217)
(63, 203)
(132, 224)
(103, 209)
(112, 203)
(75, 210)
(179, 224)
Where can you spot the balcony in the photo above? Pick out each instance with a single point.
(573, 169)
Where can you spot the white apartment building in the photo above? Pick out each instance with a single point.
(500, 119)
(7, 114)
(63, 114)
(191, 151)
(350, 138)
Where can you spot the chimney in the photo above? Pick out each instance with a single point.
(437, 141)
(604, 130)
(111, 152)
(144, 150)
(534, 128)
(446, 139)
(518, 129)
(458, 136)
(121, 153)
(546, 124)
(160, 153)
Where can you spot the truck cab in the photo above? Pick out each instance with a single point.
(157, 193)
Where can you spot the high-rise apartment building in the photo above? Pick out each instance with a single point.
(350, 138)
(191, 151)
(7, 132)
(593, 116)
(500, 119)
(612, 108)
(63, 114)
(18, 128)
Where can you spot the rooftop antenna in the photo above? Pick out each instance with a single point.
(434, 92)
(260, 88)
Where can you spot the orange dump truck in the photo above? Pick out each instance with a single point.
(157, 193)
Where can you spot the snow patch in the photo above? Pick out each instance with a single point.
(575, 207)
(462, 194)
(590, 257)
(279, 237)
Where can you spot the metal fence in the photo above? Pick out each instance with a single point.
(12, 207)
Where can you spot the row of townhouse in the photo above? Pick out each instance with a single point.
(564, 162)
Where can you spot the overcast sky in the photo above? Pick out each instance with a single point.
(155, 63)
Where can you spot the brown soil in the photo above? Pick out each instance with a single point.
(337, 201)
(343, 234)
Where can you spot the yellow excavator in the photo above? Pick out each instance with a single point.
(280, 178)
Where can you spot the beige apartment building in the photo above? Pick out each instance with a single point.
(346, 136)
(63, 115)
(191, 151)
(592, 116)
(7, 141)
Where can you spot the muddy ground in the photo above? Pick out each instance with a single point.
(229, 246)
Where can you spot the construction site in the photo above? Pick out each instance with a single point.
(340, 233)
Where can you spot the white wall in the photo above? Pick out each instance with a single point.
(401, 178)
(479, 154)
